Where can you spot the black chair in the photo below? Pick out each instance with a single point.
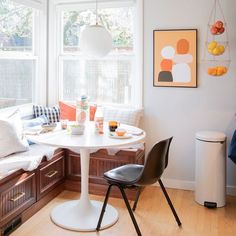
(132, 175)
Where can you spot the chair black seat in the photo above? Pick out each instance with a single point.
(127, 174)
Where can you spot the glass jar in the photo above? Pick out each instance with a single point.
(99, 120)
(82, 110)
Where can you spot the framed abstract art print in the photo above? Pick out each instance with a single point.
(175, 58)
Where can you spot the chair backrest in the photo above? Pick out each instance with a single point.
(156, 162)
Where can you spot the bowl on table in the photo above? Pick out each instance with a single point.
(120, 132)
(76, 129)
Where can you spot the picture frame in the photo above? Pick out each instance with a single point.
(175, 58)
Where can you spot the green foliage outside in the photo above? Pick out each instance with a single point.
(117, 20)
(15, 26)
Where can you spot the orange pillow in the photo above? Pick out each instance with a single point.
(67, 111)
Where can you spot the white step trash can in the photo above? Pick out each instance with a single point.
(210, 175)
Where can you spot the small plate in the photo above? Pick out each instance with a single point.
(114, 135)
(33, 130)
(48, 127)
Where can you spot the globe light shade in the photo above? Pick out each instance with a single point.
(95, 41)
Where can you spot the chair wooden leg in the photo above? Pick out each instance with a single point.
(104, 207)
(137, 198)
(170, 203)
(130, 211)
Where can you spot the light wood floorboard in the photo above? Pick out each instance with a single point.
(153, 216)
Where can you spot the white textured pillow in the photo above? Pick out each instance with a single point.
(11, 135)
(124, 116)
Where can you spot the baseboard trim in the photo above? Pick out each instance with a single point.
(178, 184)
(189, 185)
(231, 190)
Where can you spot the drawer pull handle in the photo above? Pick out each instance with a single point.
(17, 197)
(51, 173)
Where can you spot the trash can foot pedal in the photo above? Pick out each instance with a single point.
(210, 204)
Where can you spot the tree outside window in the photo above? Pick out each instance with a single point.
(15, 27)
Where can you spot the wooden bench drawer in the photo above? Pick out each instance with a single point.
(17, 195)
(51, 175)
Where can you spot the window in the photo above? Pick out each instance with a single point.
(18, 53)
(106, 80)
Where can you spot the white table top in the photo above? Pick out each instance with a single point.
(89, 140)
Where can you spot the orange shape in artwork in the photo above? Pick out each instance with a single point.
(166, 65)
(182, 46)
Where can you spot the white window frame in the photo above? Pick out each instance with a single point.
(55, 51)
(36, 4)
(38, 53)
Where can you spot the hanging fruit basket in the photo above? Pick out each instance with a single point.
(216, 57)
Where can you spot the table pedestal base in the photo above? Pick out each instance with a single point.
(73, 215)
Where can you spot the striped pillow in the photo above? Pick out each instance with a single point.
(52, 113)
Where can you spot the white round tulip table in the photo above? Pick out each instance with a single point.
(83, 214)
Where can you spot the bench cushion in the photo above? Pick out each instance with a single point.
(27, 161)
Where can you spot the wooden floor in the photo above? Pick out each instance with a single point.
(153, 216)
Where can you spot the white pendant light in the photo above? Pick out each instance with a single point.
(95, 40)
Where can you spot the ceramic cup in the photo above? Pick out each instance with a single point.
(113, 125)
(64, 124)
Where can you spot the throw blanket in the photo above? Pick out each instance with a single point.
(27, 161)
(30, 160)
(232, 148)
(132, 148)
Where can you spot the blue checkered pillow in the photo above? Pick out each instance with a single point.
(52, 113)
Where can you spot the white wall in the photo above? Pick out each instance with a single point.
(183, 111)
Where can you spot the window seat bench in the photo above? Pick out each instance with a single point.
(26, 188)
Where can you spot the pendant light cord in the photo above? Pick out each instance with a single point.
(96, 12)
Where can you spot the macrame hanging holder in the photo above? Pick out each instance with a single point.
(216, 56)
